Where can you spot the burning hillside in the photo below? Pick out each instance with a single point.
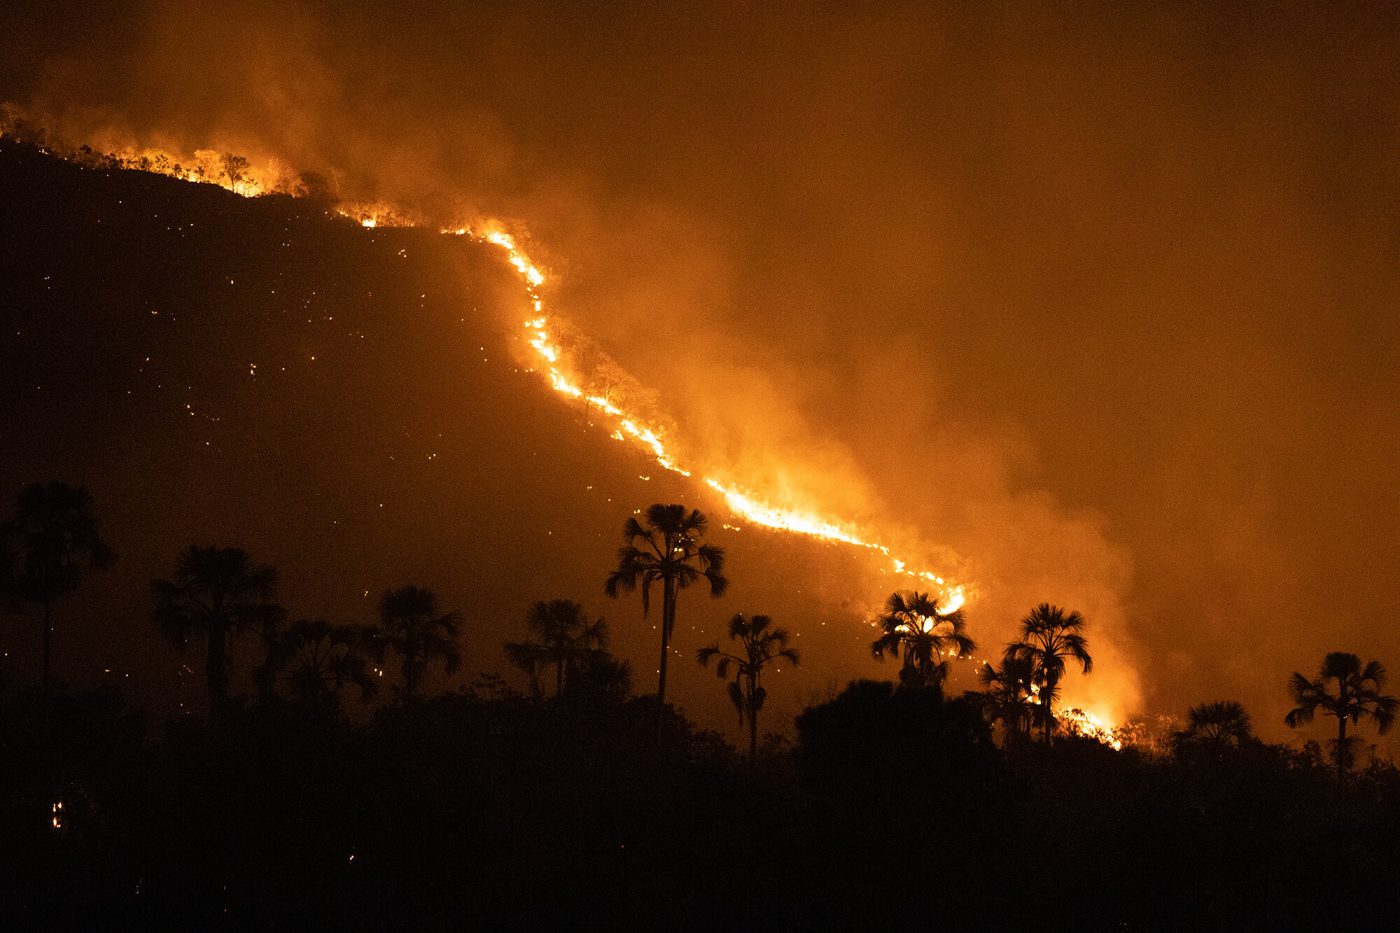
(573, 366)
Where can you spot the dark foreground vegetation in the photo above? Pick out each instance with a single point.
(486, 809)
(578, 804)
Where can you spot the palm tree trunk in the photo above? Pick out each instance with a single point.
(216, 673)
(48, 634)
(265, 683)
(1341, 751)
(558, 677)
(753, 729)
(668, 614)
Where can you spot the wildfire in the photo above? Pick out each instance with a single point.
(1079, 722)
(540, 333)
(739, 500)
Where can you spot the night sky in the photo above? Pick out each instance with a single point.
(1092, 306)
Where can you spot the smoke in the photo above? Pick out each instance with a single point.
(1089, 307)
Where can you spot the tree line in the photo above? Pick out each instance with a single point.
(52, 541)
(574, 801)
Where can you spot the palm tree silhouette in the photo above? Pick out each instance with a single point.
(760, 646)
(564, 635)
(666, 549)
(1218, 725)
(412, 627)
(914, 623)
(1358, 696)
(215, 593)
(1008, 697)
(315, 660)
(50, 543)
(597, 673)
(1050, 635)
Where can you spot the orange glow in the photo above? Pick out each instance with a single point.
(1090, 725)
(249, 179)
(739, 499)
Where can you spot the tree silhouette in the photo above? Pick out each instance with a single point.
(50, 543)
(314, 660)
(1218, 725)
(563, 636)
(597, 673)
(1358, 696)
(667, 550)
(215, 593)
(759, 646)
(1049, 636)
(412, 627)
(914, 624)
(235, 169)
(1008, 697)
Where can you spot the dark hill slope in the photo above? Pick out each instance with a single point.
(343, 403)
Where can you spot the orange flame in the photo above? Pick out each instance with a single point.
(740, 500)
(248, 180)
(1090, 725)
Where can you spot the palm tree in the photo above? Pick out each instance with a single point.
(667, 550)
(316, 660)
(1008, 697)
(215, 593)
(49, 544)
(563, 636)
(759, 647)
(414, 630)
(914, 623)
(1218, 725)
(597, 673)
(1358, 696)
(1050, 635)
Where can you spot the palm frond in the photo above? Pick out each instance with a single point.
(887, 643)
(1384, 712)
(632, 531)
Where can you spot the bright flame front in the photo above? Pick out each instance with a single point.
(629, 426)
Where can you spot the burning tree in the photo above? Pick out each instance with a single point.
(1049, 636)
(235, 169)
(1007, 697)
(917, 625)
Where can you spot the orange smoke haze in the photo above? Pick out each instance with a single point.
(1081, 307)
